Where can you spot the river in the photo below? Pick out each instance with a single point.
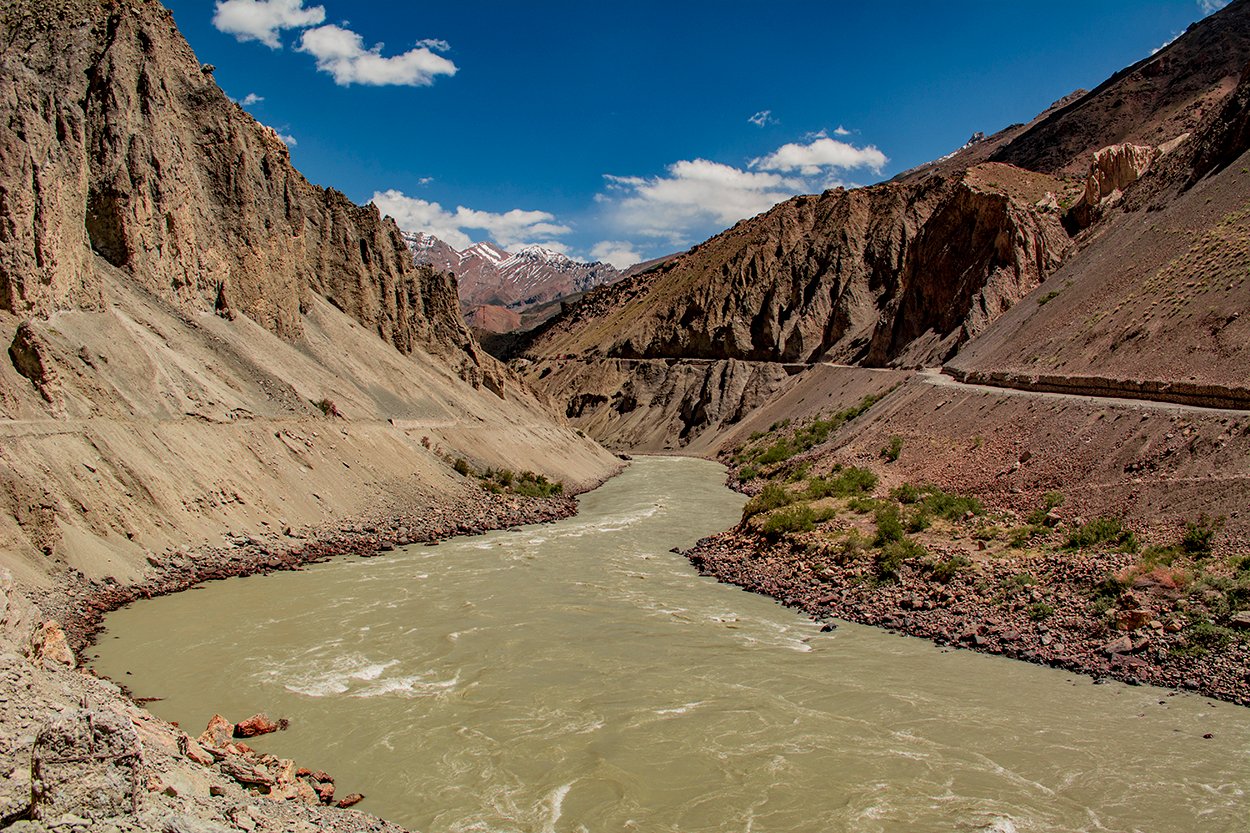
(578, 676)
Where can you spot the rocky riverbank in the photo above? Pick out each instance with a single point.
(1036, 608)
(79, 754)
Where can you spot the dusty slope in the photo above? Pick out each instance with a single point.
(177, 300)
(1173, 311)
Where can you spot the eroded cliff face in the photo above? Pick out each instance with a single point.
(202, 343)
(899, 272)
(114, 139)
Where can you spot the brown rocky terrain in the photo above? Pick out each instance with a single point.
(1082, 279)
(214, 368)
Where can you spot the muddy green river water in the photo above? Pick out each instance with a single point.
(579, 677)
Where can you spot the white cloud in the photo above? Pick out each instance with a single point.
(762, 118)
(840, 131)
(252, 98)
(261, 20)
(287, 139)
(619, 253)
(699, 197)
(1210, 6)
(510, 229)
(1165, 44)
(819, 156)
(437, 44)
(341, 52)
(693, 195)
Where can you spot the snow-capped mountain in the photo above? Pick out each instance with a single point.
(490, 276)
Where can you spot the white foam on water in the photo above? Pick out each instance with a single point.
(416, 685)
(685, 709)
(338, 679)
(556, 803)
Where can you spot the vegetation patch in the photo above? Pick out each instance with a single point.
(1101, 531)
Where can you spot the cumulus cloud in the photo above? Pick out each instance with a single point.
(692, 195)
(509, 229)
(262, 20)
(698, 197)
(341, 53)
(619, 253)
(820, 156)
(252, 98)
(1210, 6)
(762, 118)
(840, 131)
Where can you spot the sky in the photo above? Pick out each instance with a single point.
(625, 131)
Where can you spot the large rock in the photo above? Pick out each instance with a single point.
(50, 647)
(86, 762)
(257, 724)
(218, 734)
(1112, 169)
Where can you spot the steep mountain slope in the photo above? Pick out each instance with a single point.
(201, 341)
(1171, 315)
(812, 277)
(908, 272)
(493, 282)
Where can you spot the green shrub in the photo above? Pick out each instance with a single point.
(950, 506)
(791, 519)
(1050, 500)
(1020, 536)
(890, 558)
(1102, 531)
(530, 484)
(892, 449)
(905, 493)
(461, 466)
(919, 520)
(1199, 534)
(1039, 611)
(747, 473)
(847, 482)
(947, 568)
(863, 505)
(773, 496)
(1204, 637)
(889, 527)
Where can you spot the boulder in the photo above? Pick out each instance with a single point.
(351, 800)
(1240, 620)
(1122, 645)
(248, 776)
(86, 761)
(1132, 619)
(218, 733)
(257, 724)
(50, 647)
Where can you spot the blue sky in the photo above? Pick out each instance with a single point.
(629, 130)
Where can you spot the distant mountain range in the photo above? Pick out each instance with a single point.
(496, 285)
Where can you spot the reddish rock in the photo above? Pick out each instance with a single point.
(351, 800)
(218, 733)
(1122, 645)
(257, 724)
(51, 647)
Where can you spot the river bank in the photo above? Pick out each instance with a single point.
(156, 776)
(1036, 609)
